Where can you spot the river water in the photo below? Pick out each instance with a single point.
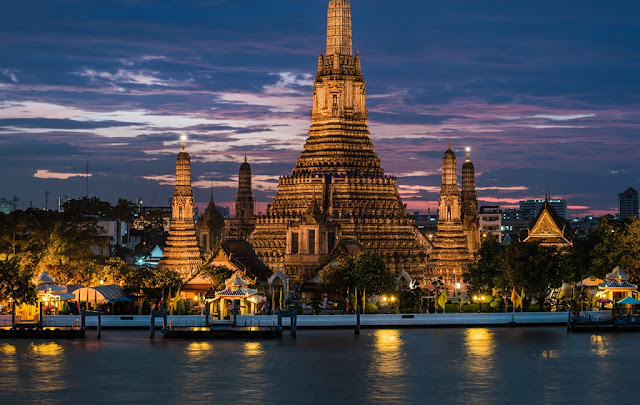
(385, 366)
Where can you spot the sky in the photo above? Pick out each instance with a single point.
(545, 93)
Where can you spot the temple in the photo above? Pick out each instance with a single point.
(458, 233)
(548, 229)
(244, 222)
(210, 228)
(338, 190)
(182, 253)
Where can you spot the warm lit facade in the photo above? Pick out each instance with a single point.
(458, 233)
(548, 229)
(338, 190)
(182, 253)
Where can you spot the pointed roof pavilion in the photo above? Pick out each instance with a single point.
(548, 229)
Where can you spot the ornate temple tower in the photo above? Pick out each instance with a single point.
(338, 189)
(210, 227)
(182, 253)
(450, 256)
(243, 224)
(470, 215)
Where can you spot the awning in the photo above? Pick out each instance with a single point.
(65, 296)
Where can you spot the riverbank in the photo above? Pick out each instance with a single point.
(327, 321)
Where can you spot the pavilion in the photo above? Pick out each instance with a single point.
(617, 287)
(237, 290)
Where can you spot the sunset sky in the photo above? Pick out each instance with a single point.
(545, 93)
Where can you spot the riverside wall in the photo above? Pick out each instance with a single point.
(322, 321)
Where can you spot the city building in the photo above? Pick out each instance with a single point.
(628, 204)
(514, 223)
(530, 208)
(6, 206)
(452, 253)
(491, 222)
(426, 223)
(182, 253)
(338, 189)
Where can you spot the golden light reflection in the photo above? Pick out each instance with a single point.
(7, 349)
(253, 349)
(389, 355)
(550, 354)
(199, 348)
(49, 365)
(479, 343)
(47, 349)
(388, 364)
(599, 345)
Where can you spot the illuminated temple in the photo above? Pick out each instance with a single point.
(458, 232)
(338, 190)
(182, 253)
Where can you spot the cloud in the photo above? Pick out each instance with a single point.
(57, 123)
(564, 117)
(46, 174)
(11, 74)
(142, 77)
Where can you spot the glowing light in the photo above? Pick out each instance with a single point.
(47, 349)
(468, 149)
(8, 349)
(253, 348)
(183, 138)
(393, 298)
(198, 348)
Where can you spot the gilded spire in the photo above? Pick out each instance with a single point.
(339, 28)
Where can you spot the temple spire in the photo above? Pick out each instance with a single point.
(339, 40)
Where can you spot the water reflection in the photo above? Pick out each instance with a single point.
(7, 349)
(599, 346)
(388, 366)
(253, 349)
(197, 349)
(9, 362)
(49, 366)
(480, 362)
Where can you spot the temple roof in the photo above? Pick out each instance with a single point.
(617, 274)
(240, 292)
(236, 280)
(547, 228)
(44, 278)
(241, 254)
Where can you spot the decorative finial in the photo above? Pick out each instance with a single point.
(183, 138)
(245, 156)
(449, 145)
(468, 153)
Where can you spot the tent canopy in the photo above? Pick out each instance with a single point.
(101, 293)
(629, 301)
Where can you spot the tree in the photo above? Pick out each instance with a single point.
(364, 271)
(618, 245)
(15, 283)
(483, 275)
(217, 274)
(531, 267)
(87, 206)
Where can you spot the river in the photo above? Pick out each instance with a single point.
(384, 366)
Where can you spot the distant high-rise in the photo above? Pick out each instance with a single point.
(6, 206)
(531, 208)
(628, 204)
